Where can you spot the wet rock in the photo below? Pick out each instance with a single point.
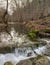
(29, 54)
(39, 60)
(8, 63)
(43, 61)
(25, 62)
(47, 50)
(44, 35)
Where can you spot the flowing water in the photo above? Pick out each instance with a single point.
(20, 53)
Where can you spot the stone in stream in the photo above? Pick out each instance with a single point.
(25, 62)
(29, 54)
(47, 50)
(39, 60)
(43, 61)
(8, 63)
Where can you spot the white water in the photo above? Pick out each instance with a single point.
(19, 53)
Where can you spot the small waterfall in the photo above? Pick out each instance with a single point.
(19, 53)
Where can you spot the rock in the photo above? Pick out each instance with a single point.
(43, 61)
(8, 63)
(25, 62)
(47, 50)
(39, 60)
(44, 35)
(29, 54)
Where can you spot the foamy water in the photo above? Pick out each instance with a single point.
(19, 53)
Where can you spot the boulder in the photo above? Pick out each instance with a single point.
(43, 61)
(39, 60)
(25, 62)
(8, 63)
(47, 50)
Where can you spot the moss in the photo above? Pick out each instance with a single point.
(32, 34)
(39, 57)
(33, 60)
(47, 30)
(8, 63)
(33, 63)
(25, 62)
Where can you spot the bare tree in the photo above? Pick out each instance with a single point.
(5, 18)
(5, 15)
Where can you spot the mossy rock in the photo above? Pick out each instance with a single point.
(25, 62)
(34, 31)
(47, 30)
(8, 63)
(38, 57)
(40, 60)
(43, 61)
(33, 34)
(32, 60)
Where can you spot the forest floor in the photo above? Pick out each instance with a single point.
(35, 24)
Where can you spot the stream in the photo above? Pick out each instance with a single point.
(20, 53)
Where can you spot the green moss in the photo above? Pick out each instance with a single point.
(47, 30)
(33, 60)
(32, 34)
(8, 63)
(38, 57)
(35, 31)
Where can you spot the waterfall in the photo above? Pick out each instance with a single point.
(20, 53)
